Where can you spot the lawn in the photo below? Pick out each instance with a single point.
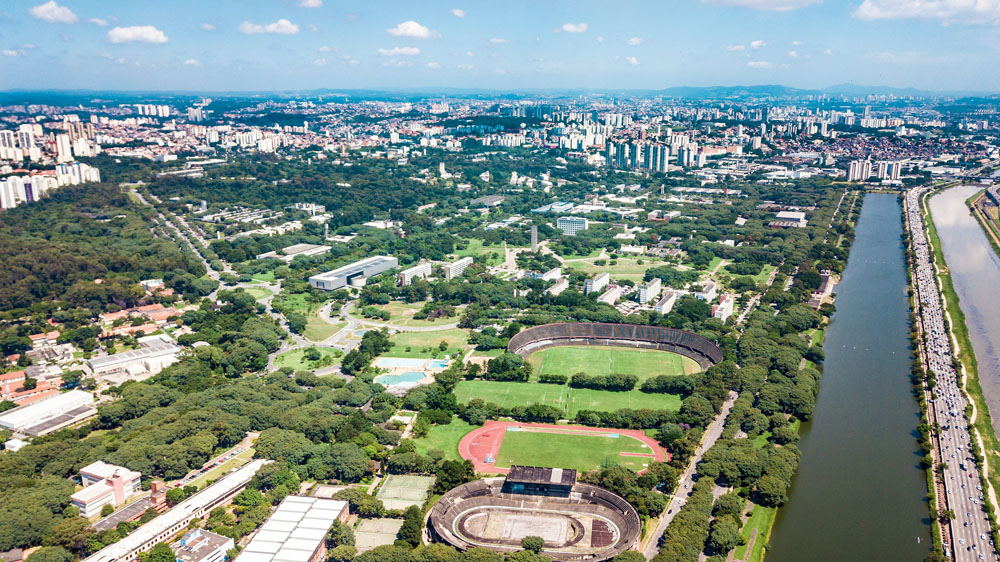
(217, 472)
(318, 329)
(602, 360)
(258, 292)
(582, 452)
(418, 342)
(296, 359)
(568, 400)
(401, 314)
(267, 277)
(295, 302)
(761, 519)
(625, 268)
(482, 254)
(444, 438)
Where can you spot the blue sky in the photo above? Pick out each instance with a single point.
(509, 44)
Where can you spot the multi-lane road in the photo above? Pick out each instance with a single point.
(967, 537)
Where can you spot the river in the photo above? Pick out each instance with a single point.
(975, 274)
(859, 493)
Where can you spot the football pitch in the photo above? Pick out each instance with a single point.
(568, 450)
(566, 399)
(600, 360)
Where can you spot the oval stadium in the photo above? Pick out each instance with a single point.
(577, 521)
(660, 338)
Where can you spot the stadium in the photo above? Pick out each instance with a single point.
(684, 343)
(576, 521)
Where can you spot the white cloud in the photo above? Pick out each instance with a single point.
(470, 54)
(828, 52)
(207, 27)
(433, 65)
(635, 41)
(500, 71)
(600, 38)
(793, 54)
(411, 29)
(632, 60)
(946, 11)
(465, 67)
(399, 52)
(574, 27)
(136, 34)
(99, 21)
(759, 64)
(281, 27)
(10, 53)
(52, 13)
(736, 48)
(192, 62)
(766, 5)
(323, 49)
(311, 4)
(320, 62)
(458, 13)
(758, 44)
(498, 40)
(796, 43)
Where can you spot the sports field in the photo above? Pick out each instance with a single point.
(598, 360)
(568, 400)
(568, 450)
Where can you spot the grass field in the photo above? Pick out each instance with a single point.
(625, 268)
(318, 329)
(267, 277)
(296, 359)
(457, 340)
(761, 519)
(258, 292)
(214, 474)
(444, 438)
(569, 400)
(482, 254)
(582, 452)
(602, 360)
(401, 314)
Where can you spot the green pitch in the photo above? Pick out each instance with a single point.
(598, 360)
(564, 450)
(568, 400)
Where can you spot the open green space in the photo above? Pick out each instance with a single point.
(624, 268)
(318, 329)
(444, 438)
(761, 519)
(258, 292)
(267, 277)
(482, 254)
(593, 254)
(296, 359)
(217, 472)
(427, 344)
(606, 360)
(401, 314)
(569, 400)
(568, 450)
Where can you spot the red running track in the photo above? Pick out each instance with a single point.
(485, 441)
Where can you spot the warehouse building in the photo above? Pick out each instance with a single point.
(354, 274)
(296, 531)
(154, 353)
(46, 416)
(291, 252)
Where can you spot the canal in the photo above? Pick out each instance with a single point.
(975, 274)
(859, 493)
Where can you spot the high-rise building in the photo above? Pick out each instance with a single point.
(649, 291)
(571, 225)
(859, 170)
(64, 149)
(596, 283)
(534, 239)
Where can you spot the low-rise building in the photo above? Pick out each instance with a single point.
(709, 290)
(291, 252)
(596, 283)
(353, 274)
(666, 303)
(50, 414)
(154, 354)
(296, 531)
(421, 270)
(104, 484)
(455, 269)
(199, 545)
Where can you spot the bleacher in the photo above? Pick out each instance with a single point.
(681, 342)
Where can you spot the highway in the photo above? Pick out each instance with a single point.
(967, 537)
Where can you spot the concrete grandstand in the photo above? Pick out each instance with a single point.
(681, 342)
(576, 521)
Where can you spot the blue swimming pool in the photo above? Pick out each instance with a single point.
(437, 364)
(406, 379)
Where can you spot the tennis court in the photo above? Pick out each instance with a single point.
(400, 491)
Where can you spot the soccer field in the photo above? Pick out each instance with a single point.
(567, 450)
(598, 360)
(568, 400)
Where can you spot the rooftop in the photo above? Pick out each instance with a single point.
(294, 530)
(540, 475)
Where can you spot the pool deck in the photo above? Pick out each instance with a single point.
(399, 366)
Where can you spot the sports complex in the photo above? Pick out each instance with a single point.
(576, 521)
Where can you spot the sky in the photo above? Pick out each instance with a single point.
(240, 45)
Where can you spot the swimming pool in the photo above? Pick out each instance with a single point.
(359, 333)
(400, 362)
(406, 379)
(437, 364)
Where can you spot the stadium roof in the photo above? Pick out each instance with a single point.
(540, 475)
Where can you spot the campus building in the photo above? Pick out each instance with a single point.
(291, 252)
(421, 270)
(296, 531)
(571, 225)
(455, 269)
(596, 284)
(104, 484)
(154, 354)
(50, 414)
(666, 303)
(649, 291)
(199, 545)
(354, 274)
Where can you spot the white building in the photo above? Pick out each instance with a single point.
(666, 304)
(859, 170)
(421, 270)
(153, 356)
(46, 416)
(199, 545)
(709, 290)
(597, 283)
(571, 225)
(355, 274)
(455, 269)
(612, 295)
(724, 309)
(104, 484)
(649, 291)
(296, 531)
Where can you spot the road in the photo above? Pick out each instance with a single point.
(967, 537)
(687, 478)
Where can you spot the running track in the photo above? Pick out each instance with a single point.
(485, 441)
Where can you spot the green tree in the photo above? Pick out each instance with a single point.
(533, 544)
(452, 474)
(413, 522)
(50, 554)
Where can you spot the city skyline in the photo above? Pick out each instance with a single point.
(306, 44)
